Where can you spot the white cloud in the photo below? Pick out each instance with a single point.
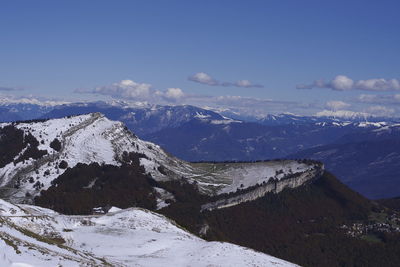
(174, 93)
(344, 83)
(336, 105)
(378, 85)
(244, 83)
(128, 89)
(247, 84)
(131, 90)
(204, 78)
(341, 83)
(125, 89)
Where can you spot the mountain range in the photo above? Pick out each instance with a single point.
(82, 170)
(196, 134)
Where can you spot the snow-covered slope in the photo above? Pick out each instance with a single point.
(84, 139)
(33, 236)
(94, 138)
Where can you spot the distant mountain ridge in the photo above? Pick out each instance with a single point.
(35, 109)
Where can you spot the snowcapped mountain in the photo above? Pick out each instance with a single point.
(143, 119)
(44, 153)
(33, 236)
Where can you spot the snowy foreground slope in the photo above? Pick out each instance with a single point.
(33, 236)
(94, 138)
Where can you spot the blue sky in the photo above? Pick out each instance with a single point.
(212, 51)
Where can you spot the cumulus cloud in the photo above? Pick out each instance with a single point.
(124, 89)
(378, 85)
(204, 78)
(174, 94)
(247, 84)
(336, 105)
(341, 83)
(131, 90)
(344, 83)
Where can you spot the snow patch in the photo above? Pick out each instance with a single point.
(129, 237)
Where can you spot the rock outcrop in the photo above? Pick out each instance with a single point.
(274, 185)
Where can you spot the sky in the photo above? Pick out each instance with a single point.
(305, 57)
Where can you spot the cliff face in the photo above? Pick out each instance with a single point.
(274, 186)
